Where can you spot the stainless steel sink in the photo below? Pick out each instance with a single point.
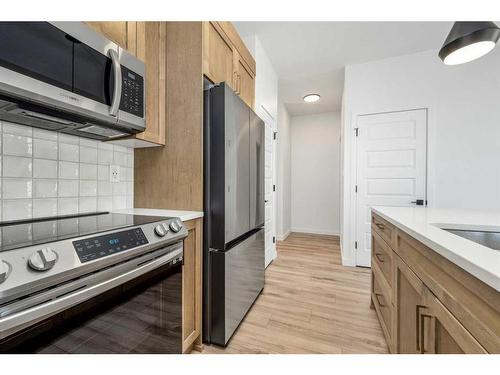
(485, 238)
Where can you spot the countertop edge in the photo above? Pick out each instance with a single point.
(182, 214)
(485, 276)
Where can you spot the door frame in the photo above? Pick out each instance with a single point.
(354, 171)
(270, 121)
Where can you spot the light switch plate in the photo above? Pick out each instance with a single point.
(114, 173)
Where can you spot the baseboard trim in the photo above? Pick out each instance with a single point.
(284, 236)
(315, 231)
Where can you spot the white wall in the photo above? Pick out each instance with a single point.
(315, 165)
(284, 173)
(463, 124)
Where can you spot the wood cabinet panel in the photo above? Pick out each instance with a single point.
(116, 31)
(245, 81)
(171, 177)
(192, 286)
(382, 255)
(218, 55)
(226, 59)
(382, 302)
(151, 47)
(445, 334)
(384, 229)
(438, 307)
(409, 291)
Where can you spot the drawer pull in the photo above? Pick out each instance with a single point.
(378, 296)
(380, 226)
(379, 257)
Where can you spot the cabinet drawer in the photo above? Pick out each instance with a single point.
(385, 229)
(382, 255)
(383, 306)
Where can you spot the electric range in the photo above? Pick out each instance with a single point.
(48, 265)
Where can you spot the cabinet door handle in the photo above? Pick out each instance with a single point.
(377, 296)
(423, 318)
(379, 257)
(380, 226)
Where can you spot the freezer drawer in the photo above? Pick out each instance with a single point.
(237, 280)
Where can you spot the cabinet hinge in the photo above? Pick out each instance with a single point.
(355, 188)
(274, 187)
(355, 244)
(274, 239)
(275, 135)
(356, 131)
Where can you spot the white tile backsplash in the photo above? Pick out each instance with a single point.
(45, 173)
(44, 149)
(69, 152)
(88, 155)
(17, 188)
(17, 145)
(69, 170)
(43, 168)
(14, 166)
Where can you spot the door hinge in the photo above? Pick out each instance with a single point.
(274, 187)
(275, 135)
(274, 239)
(355, 188)
(355, 244)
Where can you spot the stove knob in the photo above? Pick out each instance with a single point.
(43, 260)
(175, 226)
(4, 271)
(160, 231)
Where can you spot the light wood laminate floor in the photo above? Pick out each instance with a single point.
(310, 304)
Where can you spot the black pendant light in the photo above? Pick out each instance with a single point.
(468, 41)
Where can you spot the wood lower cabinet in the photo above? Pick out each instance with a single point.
(437, 308)
(408, 303)
(192, 286)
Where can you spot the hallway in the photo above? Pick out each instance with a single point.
(310, 304)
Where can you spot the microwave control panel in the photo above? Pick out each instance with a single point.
(132, 100)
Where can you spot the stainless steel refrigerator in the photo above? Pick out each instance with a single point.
(234, 212)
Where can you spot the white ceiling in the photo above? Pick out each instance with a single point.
(309, 57)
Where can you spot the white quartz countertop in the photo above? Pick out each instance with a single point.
(183, 215)
(425, 225)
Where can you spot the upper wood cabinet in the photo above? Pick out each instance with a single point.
(147, 41)
(218, 55)
(116, 31)
(226, 59)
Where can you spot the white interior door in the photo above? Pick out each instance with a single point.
(391, 157)
(270, 205)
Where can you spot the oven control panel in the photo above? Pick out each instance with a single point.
(101, 246)
(132, 99)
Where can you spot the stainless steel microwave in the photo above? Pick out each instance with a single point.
(66, 77)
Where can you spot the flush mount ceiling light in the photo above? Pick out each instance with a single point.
(468, 41)
(311, 98)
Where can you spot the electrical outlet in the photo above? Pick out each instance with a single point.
(114, 173)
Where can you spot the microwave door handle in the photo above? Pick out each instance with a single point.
(117, 92)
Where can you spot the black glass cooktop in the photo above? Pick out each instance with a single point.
(16, 234)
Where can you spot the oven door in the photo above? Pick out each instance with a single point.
(141, 315)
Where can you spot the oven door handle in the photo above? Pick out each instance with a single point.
(25, 318)
(117, 91)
